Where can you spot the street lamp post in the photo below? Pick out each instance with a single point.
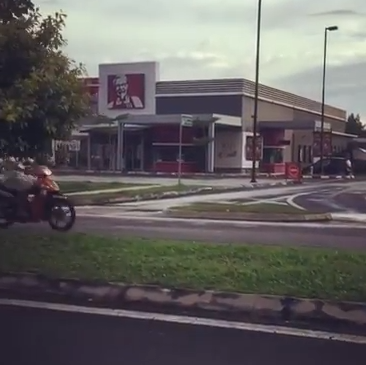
(326, 30)
(256, 92)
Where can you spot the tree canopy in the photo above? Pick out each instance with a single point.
(354, 125)
(41, 94)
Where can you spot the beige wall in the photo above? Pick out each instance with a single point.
(305, 138)
(339, 143)
(228, 150)
(268, 111)
(337, 125)
(287, 152)
(302, 139)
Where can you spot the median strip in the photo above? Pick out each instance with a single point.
(220, 277)
(152, 192)
(269, 212)
(72, 187)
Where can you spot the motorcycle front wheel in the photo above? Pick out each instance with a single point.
(62, 215)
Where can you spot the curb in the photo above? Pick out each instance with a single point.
(327, 177)
(174, 194)
(172, 175)
(253, 217)
(206, 176)
(346, 219)
(252, 305)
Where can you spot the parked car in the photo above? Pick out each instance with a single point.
(331, 166)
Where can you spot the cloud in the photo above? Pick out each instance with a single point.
(211, 39)
(345, 85)
(338, 12)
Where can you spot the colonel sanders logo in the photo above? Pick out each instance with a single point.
(126, 91)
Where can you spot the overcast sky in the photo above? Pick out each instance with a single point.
(196, 39)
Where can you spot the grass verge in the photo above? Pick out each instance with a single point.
(76, 186)
(263, 208)
(101, 197)
(302, 272)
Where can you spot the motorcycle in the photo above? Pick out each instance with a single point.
(45, 203)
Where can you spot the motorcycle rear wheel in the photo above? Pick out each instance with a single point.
(54, 211)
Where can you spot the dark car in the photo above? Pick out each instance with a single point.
(331, 166)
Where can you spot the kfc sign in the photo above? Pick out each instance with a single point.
(126, 91)
(127, 88)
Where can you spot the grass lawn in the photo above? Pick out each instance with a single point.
(134, 192)
(76, 186)
(240, 208)
(303, 272)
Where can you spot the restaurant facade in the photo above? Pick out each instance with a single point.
(140, 124)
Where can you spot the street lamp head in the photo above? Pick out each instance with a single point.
(332, 28)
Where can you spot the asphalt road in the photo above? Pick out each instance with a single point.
(335, 199)
(42, 337)
(311, 234)
(331, 197)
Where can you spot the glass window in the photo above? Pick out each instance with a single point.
(310, 154)
(304, 155)
(272, 155)
(171, 153)
(299, 153)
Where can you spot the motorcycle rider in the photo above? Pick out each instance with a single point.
(15, 178)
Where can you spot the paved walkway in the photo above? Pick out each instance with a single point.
(165, 180)
(116, 190)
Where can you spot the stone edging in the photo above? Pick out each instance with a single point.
(203, 175)
(173, 175)
(90, 200)
(253, 217)
(255, 306)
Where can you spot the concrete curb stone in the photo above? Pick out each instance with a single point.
(191, 175)
(327, 177)
(95, 200)
(254, 217)
(164, 174)
(255, 306)
(349, 219)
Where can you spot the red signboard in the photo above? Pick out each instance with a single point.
(126, 91)
(293, 171)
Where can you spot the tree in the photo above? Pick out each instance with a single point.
(41, 94)
(354, 125)
(12, 9)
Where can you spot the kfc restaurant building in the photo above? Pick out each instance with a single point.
(146, 137)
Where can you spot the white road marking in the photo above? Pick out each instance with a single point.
(258, 202)
(196, 321)
(291, 200)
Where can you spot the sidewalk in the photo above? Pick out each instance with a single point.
(169, 181)
(193, 175)
(117, 190)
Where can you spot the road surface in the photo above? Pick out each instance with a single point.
(145, 219)
(154, 225)
(331, 197)
(43, 337)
